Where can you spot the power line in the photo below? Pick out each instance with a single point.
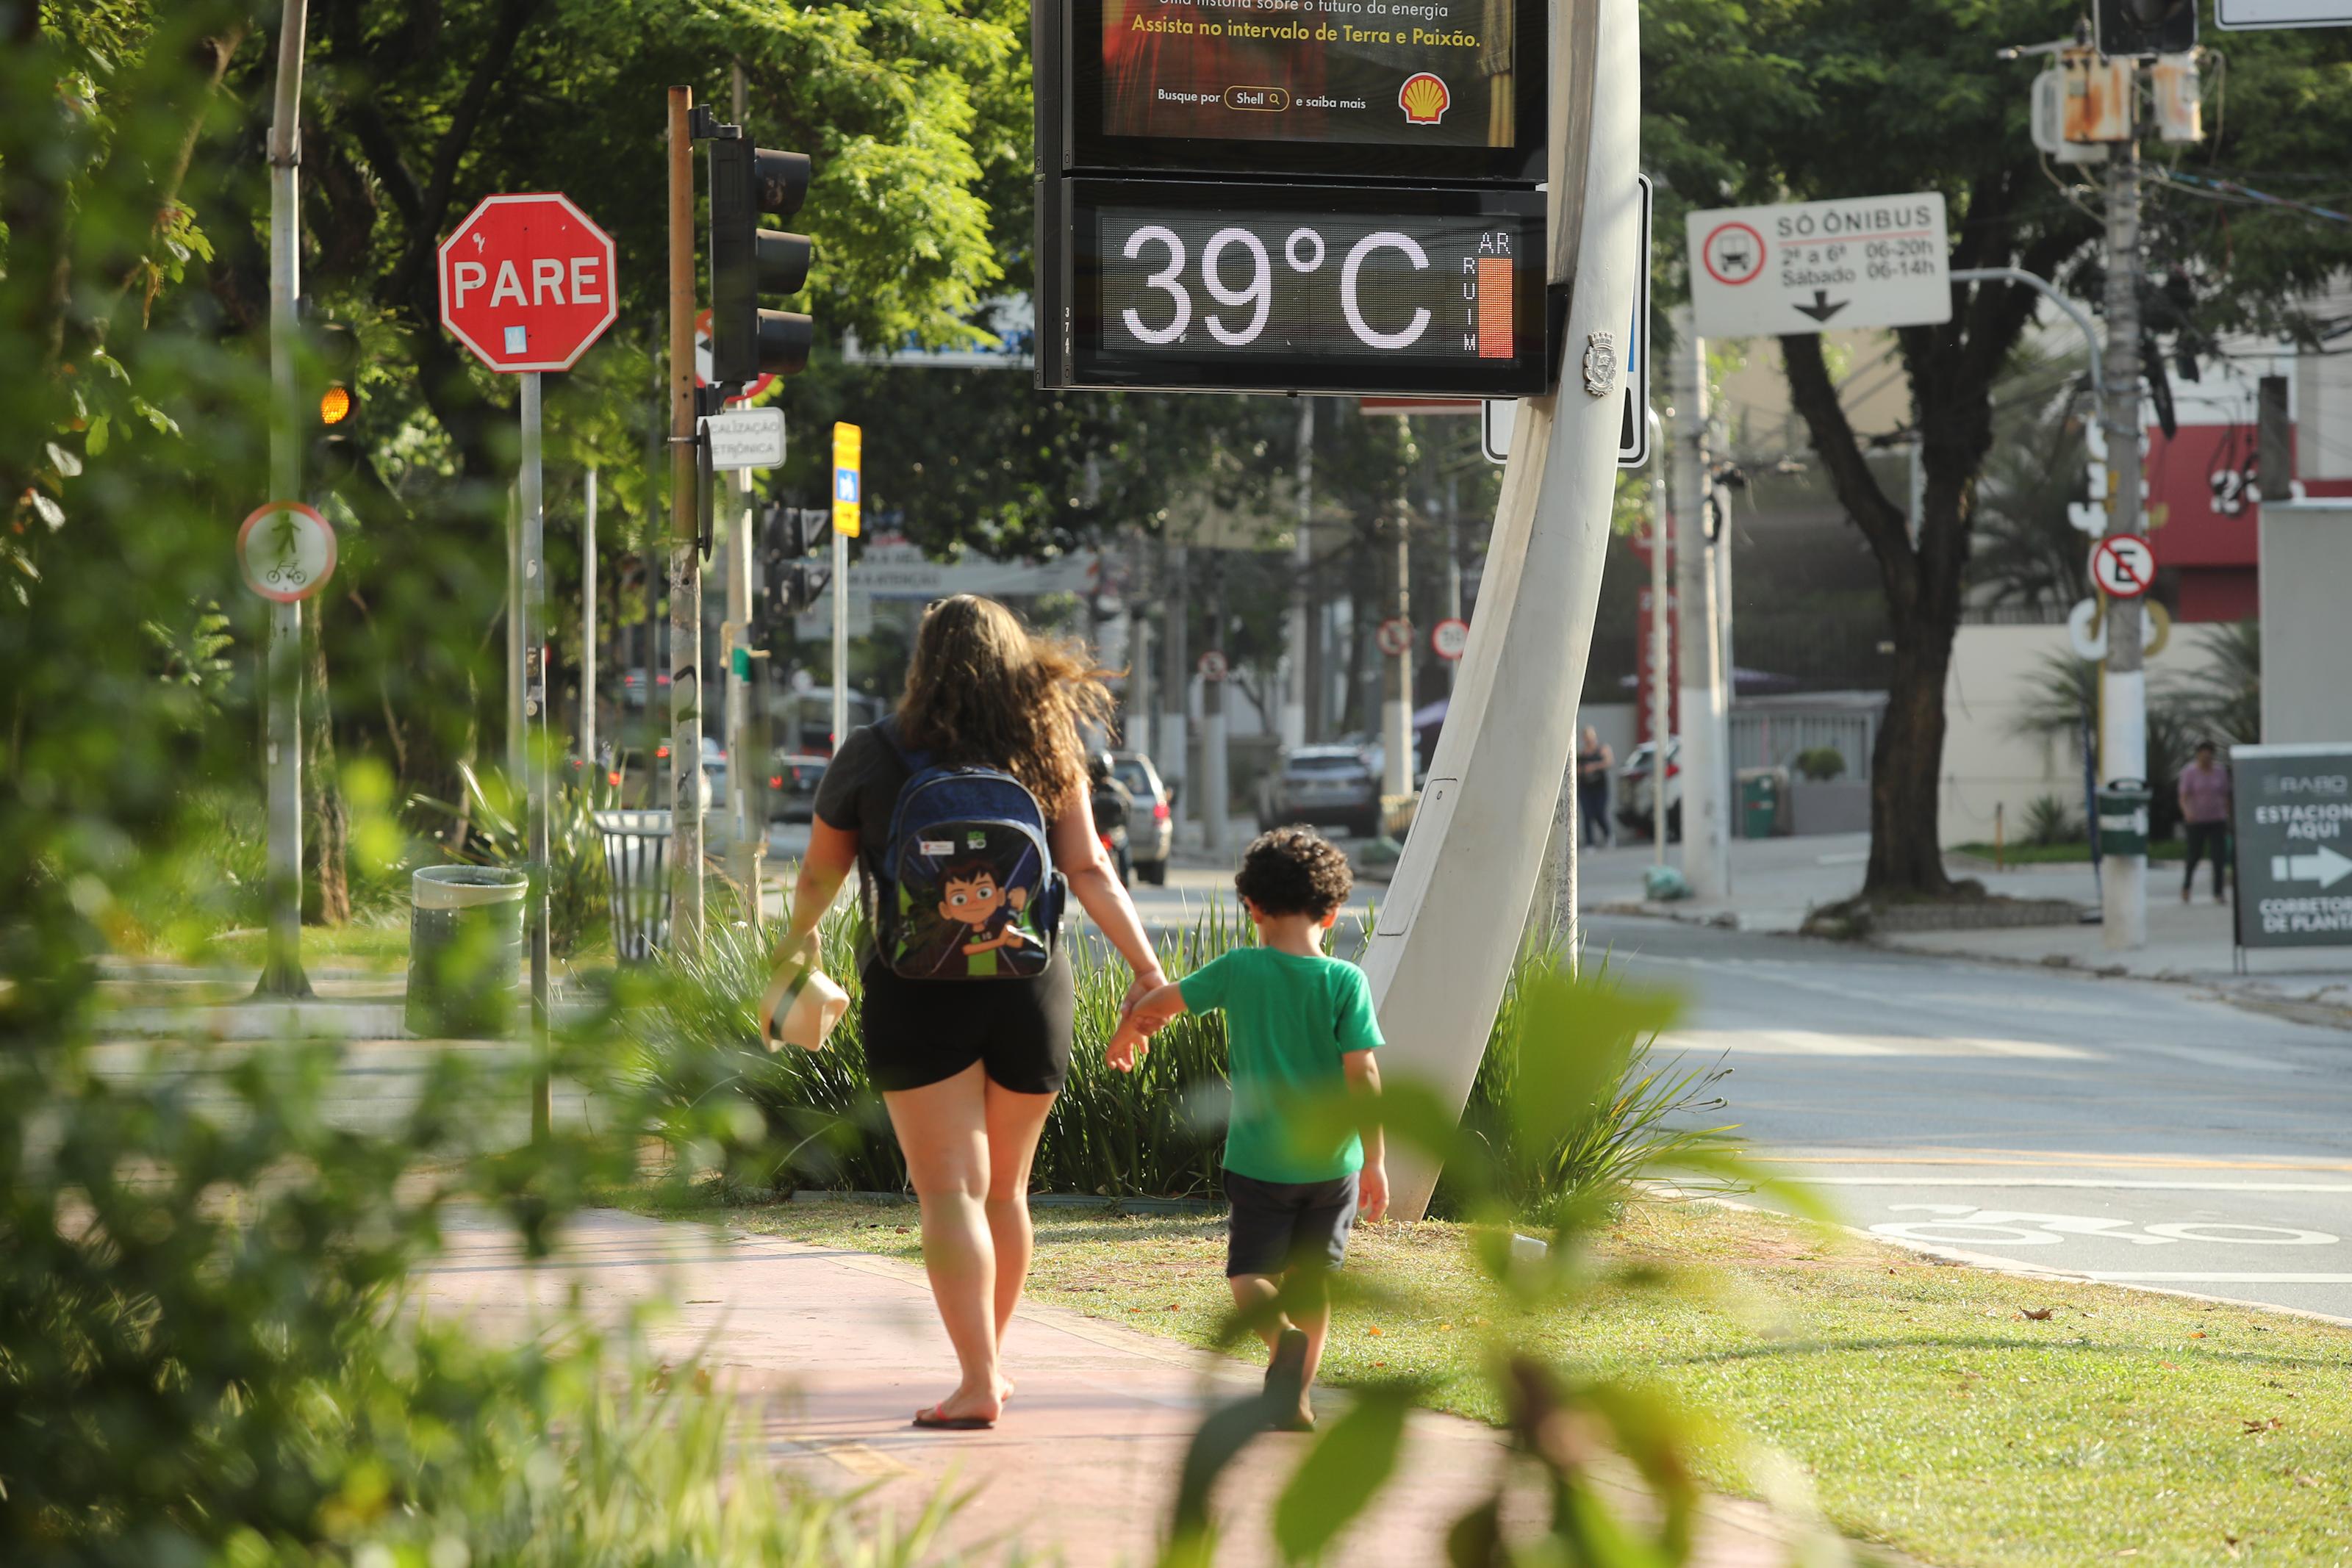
(2247, 194)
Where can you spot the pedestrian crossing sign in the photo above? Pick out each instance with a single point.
(848, 482)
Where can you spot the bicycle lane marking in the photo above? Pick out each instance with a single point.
(1982, 1226)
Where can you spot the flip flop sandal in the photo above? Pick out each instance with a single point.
(932, 1420)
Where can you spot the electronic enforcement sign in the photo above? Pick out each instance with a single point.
(2291, 821)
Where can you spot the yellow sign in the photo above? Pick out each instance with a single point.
(848, 480)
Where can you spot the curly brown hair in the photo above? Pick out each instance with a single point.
(983, 689)
(1294, 871)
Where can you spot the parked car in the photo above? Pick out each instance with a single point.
(1634, 790)
(1151, 831)
(791, 786)
(1327, 787)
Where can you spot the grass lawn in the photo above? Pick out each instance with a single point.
(1930, 1412)
(2063, 854)
(362, 943)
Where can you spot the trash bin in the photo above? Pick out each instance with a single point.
(465, 951)
(637, 866)
(1762, 793)
(2123, 817)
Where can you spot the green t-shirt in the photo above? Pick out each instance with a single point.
(1289, 1020)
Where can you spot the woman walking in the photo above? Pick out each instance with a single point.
(968, 993)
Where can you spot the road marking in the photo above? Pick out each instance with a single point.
(2018, 1227)
(2093, 1182)
(2061, 1161)
(1813, 1043)
(2198, 1278)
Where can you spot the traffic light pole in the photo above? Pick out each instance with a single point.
(685, 560)
(2123, 683)
(530, 506)
(281, 970)
(750, 834)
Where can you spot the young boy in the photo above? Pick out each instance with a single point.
(1300, 1025)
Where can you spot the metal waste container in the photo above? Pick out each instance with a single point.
(637, 866)
(1763, 791)
(465, 951)
(2123, 817)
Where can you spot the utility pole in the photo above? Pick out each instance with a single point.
(281, 969)
(588, 631)
(1705, 853)
(1216, 778)
(1396, 670)
(1302, 557)
(1661, 656)
(743, 770)
(685, 558)
(2122, 706)
(1176, 687)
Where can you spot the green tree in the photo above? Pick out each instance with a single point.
(1803, 99)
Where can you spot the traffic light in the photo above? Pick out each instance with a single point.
(335, 447)
(2132, 28)
(747, 261)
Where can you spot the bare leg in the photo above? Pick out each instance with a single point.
(1015, 1123)
(1252, 1293)
(941, 1127)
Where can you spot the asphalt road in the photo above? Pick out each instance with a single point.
(2127, 1131)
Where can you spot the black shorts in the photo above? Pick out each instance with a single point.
(1279, 1225)
(920, 1031)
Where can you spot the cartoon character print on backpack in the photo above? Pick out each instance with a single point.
(970, 908)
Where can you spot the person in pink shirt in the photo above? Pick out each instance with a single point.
(2205, 811)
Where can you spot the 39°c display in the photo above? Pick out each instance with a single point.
(1213, 287)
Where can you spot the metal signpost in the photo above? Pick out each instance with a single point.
(1813, 266)
(848, 510)
(2291, 826)
(527, 283)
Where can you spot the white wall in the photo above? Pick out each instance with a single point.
(1997, 673)
(2306, 566)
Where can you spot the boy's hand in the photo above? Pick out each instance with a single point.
(1372, 1191)
(1128, 1049)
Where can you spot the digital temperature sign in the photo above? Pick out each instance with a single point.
(1306, 288)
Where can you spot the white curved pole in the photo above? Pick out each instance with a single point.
(1449, 928)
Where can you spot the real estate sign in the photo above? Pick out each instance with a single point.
(2291, 809)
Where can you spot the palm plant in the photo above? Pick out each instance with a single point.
(2027, 551)
(2221, 700)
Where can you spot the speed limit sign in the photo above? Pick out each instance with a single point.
(1449, 637)
(1395, 636)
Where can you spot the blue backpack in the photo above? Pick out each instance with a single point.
(971, 892)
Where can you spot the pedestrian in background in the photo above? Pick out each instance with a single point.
(1594, 761)
(2205, 811)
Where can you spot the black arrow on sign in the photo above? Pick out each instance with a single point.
(1822, 310)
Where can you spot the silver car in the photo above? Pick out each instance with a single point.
(1151, 830)
(1325, 786)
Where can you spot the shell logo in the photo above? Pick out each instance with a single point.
(1423, 98)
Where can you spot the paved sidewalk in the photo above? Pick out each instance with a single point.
(1776, 882)
(1083, 1465)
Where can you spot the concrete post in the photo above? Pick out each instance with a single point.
(2122, 708)
(1698, 653)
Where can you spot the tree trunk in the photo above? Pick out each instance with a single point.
(326, 889)
(1906, 767)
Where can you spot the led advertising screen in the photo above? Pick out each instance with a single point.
(1218, 287)
(1442, 89)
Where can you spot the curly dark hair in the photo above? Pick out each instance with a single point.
(1294, 871)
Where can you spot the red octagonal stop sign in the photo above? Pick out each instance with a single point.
(527, 282)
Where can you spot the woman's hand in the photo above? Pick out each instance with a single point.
(1145, 981)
